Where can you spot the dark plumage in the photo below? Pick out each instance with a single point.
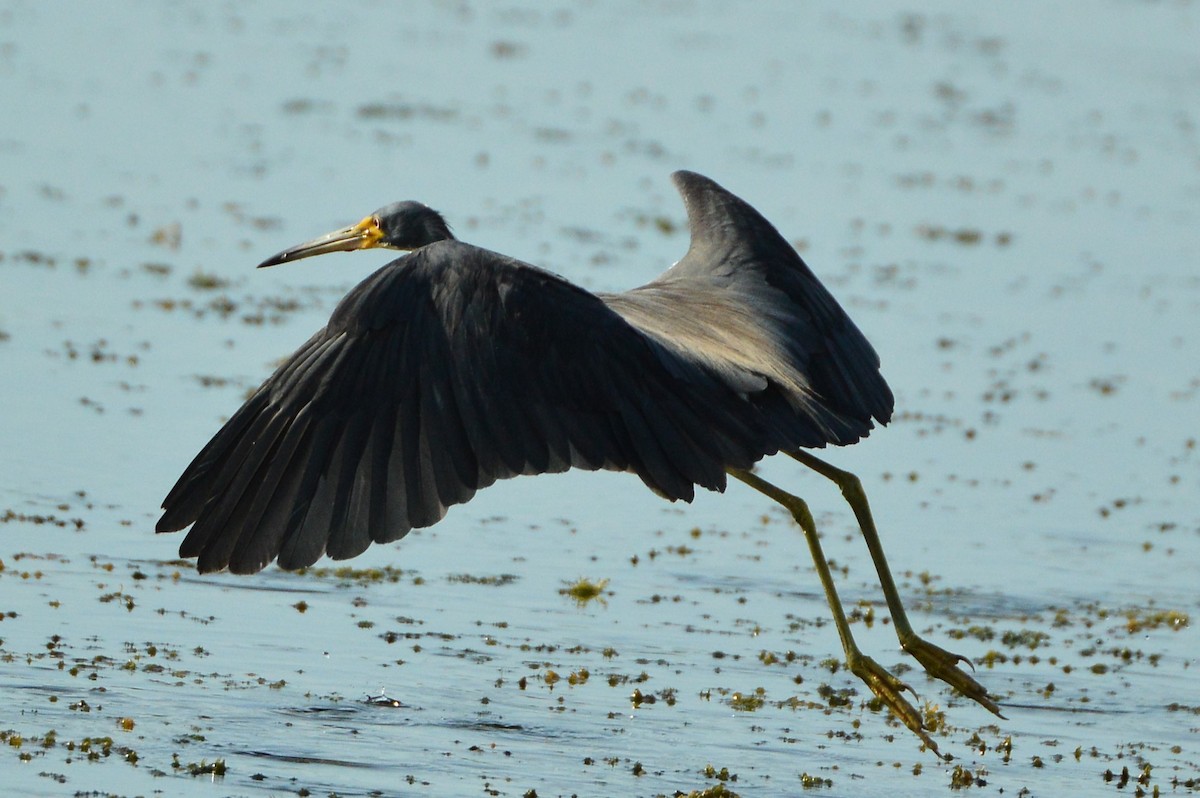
(452, 367)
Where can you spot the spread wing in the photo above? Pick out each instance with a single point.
(743, 303)
(453, 367)
(447, 370)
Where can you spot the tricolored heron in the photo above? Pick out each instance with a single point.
(452, 367)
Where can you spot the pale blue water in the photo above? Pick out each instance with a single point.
(1042, 469)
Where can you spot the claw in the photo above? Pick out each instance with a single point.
(943, 665)
(889, 690)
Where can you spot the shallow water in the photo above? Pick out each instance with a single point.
(1006, 199)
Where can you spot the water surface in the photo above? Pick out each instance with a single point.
(1005, 198)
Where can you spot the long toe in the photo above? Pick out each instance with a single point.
(889, 689)
(943, 665)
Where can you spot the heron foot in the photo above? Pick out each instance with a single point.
(889, 689)
(942, 664)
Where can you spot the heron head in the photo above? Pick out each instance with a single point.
(402, 225)
(408, 225)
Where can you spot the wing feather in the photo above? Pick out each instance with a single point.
(453, 367)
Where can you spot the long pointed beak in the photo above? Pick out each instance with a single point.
(364, 235)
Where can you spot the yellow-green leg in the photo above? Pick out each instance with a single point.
(937, 661)
(883, 684)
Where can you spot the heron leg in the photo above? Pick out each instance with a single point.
(937, 661)
(887, 687)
